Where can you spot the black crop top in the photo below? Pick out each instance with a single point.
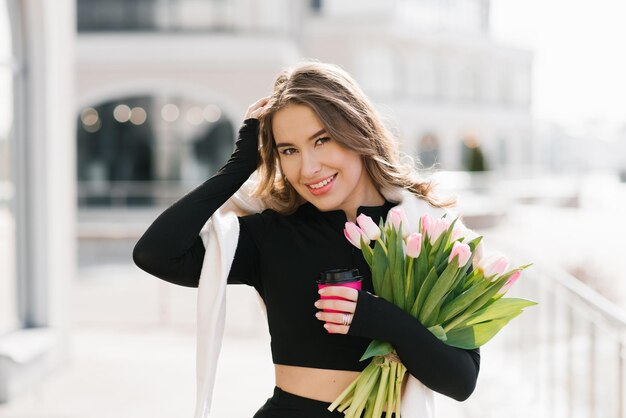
(281, 257)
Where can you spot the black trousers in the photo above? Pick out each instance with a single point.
(288, 405)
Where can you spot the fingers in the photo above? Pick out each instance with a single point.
(256, 108)
(341, 291)
(334, 321)
(334, 317)
(336, 305)
(336, 329)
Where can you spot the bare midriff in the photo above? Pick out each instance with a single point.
(320, 384)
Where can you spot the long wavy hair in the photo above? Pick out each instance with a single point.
(348, 116)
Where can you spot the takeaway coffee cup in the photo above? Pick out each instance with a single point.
(339, 277)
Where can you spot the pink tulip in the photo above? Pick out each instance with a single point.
(493, 265)
(413, 245)
(396, 216)
(438, 227)
(353, 233)
(460, 250)
(468, 235)
(510, 282)
(368, 226)
(456, 234)
(427, 222)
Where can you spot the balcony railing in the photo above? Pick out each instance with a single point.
(568, 350)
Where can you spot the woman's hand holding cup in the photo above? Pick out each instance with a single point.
(338, 291)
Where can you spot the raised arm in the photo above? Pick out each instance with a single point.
(171, 248)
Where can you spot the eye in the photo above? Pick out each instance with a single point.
(324, 140)
(319, 141)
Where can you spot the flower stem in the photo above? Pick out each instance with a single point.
(345, 393)
(383, 384)
(392, 379)
(398, 394)
(346, 403)
(408, 278)
(369, 377)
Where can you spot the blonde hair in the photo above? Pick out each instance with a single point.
(350, 119)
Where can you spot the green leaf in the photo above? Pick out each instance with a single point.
(432, 318)
(391, 255)
(387, 291)
(474, 277)
(501, 308)
(398, 272)
(368, 254)
(438, 332)
(439, 290)
(420, 270)
(461, 302)
(379, 268)
(377, 348)
(483, 299)
(423, 292)
(409, 284)
(474, 336)
(474, 243)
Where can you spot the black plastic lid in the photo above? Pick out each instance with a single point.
(339, 276)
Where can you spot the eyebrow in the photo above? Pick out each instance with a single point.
(316, 134)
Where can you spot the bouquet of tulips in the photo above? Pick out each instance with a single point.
(427, 274)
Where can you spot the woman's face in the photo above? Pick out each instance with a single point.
(309, 157)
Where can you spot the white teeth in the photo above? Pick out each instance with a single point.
(322, 183)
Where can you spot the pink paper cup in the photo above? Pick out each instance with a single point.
(339, 277)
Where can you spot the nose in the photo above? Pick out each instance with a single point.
(311, 166)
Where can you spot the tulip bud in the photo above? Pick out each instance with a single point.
(456, 234)
(468, 235)
(368, 226)
(353, 233)
(438, 227)
(460, 250)
(427, 223)
(396, 216)
(510, 282)
(493, 265)
(413, 245)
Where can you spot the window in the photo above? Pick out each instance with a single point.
(146, 150)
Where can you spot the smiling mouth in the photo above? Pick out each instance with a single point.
(322, 183)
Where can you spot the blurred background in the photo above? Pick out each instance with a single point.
(111, 110)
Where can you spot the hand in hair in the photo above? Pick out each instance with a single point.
(257, 108)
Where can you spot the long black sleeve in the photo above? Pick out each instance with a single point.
(448, 370)
(171, 247)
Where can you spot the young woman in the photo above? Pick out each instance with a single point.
(322, 156)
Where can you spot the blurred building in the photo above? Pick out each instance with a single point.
(188, 69)
(432, 67)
